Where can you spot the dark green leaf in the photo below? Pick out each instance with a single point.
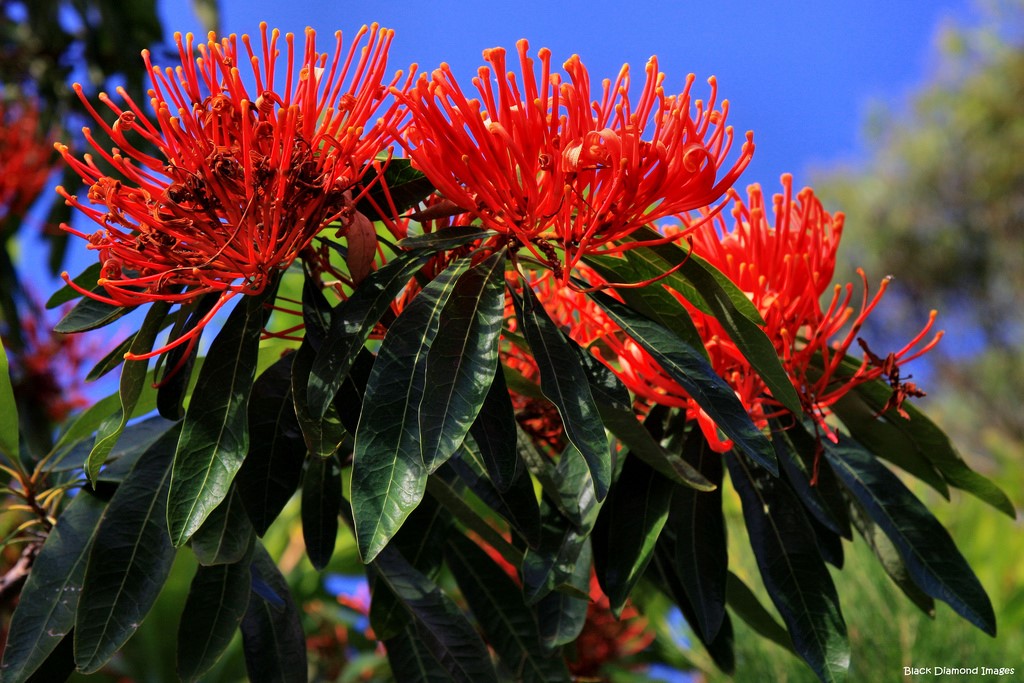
(215, 433)
(654, 301)
(800, 454)
(562, 613)
(920, 435)
(130, 559)
(552, 564)
(461, 362)
(615, 406)
(135, 439)
(630, 522)
(440, 624)
(663, 575)
(133, 377)
(226, 535)
(8, 410)
(180, 361)
(110, 361)
(46, 610)
(883, 439)
(272, 637)
(402, 187)
(217, 601)
(563, 379)
(451, 493)
(388, 473)
(421, 541)
(448, 238)
(323, 435)
(931, 557)
(701, 554)
(321, 503)
(351, 324)
(272, 469)
(411, 658)
(794, 573)
(889, 557)
(494, 432)
(89, 314)
(692, 372)
(748, 608)
(497, 603)
(87, 280)
(517, 504)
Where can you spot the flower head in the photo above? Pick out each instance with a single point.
(26, 158)
(547, 165)
(240, 182)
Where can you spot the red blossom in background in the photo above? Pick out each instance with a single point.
(241, 183)
(543, 162)
(26, 158)
(605, 638)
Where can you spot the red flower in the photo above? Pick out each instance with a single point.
(26, 158)
(241, 184)
(546, 166)
(785, 268)
(606, 638)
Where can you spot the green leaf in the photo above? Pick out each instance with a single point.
(448, 238)
(46, 610)
(517, 504)
(226, 535)
(653, 301)
(135, 439)
(388, 473)
(129, 562)
(215, 434)
(793, 570)
(133, 377)
(615, 406)
(89, 314)
(553, 563)
(692, 372)
(439, 623)
(920, 435)
(885, 441)
(497, 603)
(321, 503)
(405, 186)
(208, 13)
(323, 435)
(494, 433)
(180, 361)
(351, 323)
(748, 608)
(87, 279)
(661, 572)
(217, 600)
(8, 410)
(272, 638)
(563, 379)
(411, 658)
(562, 613)
(800, 455)
(628, 527)
(889, 557)
(461, 362)
(421, 541)
(931, 557)
(701, 553)
(272, 469)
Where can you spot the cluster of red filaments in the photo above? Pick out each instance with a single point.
(26, 158)
(551, 168)
(240, 184)
(785, 267)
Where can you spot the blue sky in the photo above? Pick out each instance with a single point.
(801, 75)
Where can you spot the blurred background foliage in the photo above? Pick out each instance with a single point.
(938, 200)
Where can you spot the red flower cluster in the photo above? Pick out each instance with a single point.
(26, 158)
(605, 638)
(785, 267)
(242, 183)
(550, 168)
